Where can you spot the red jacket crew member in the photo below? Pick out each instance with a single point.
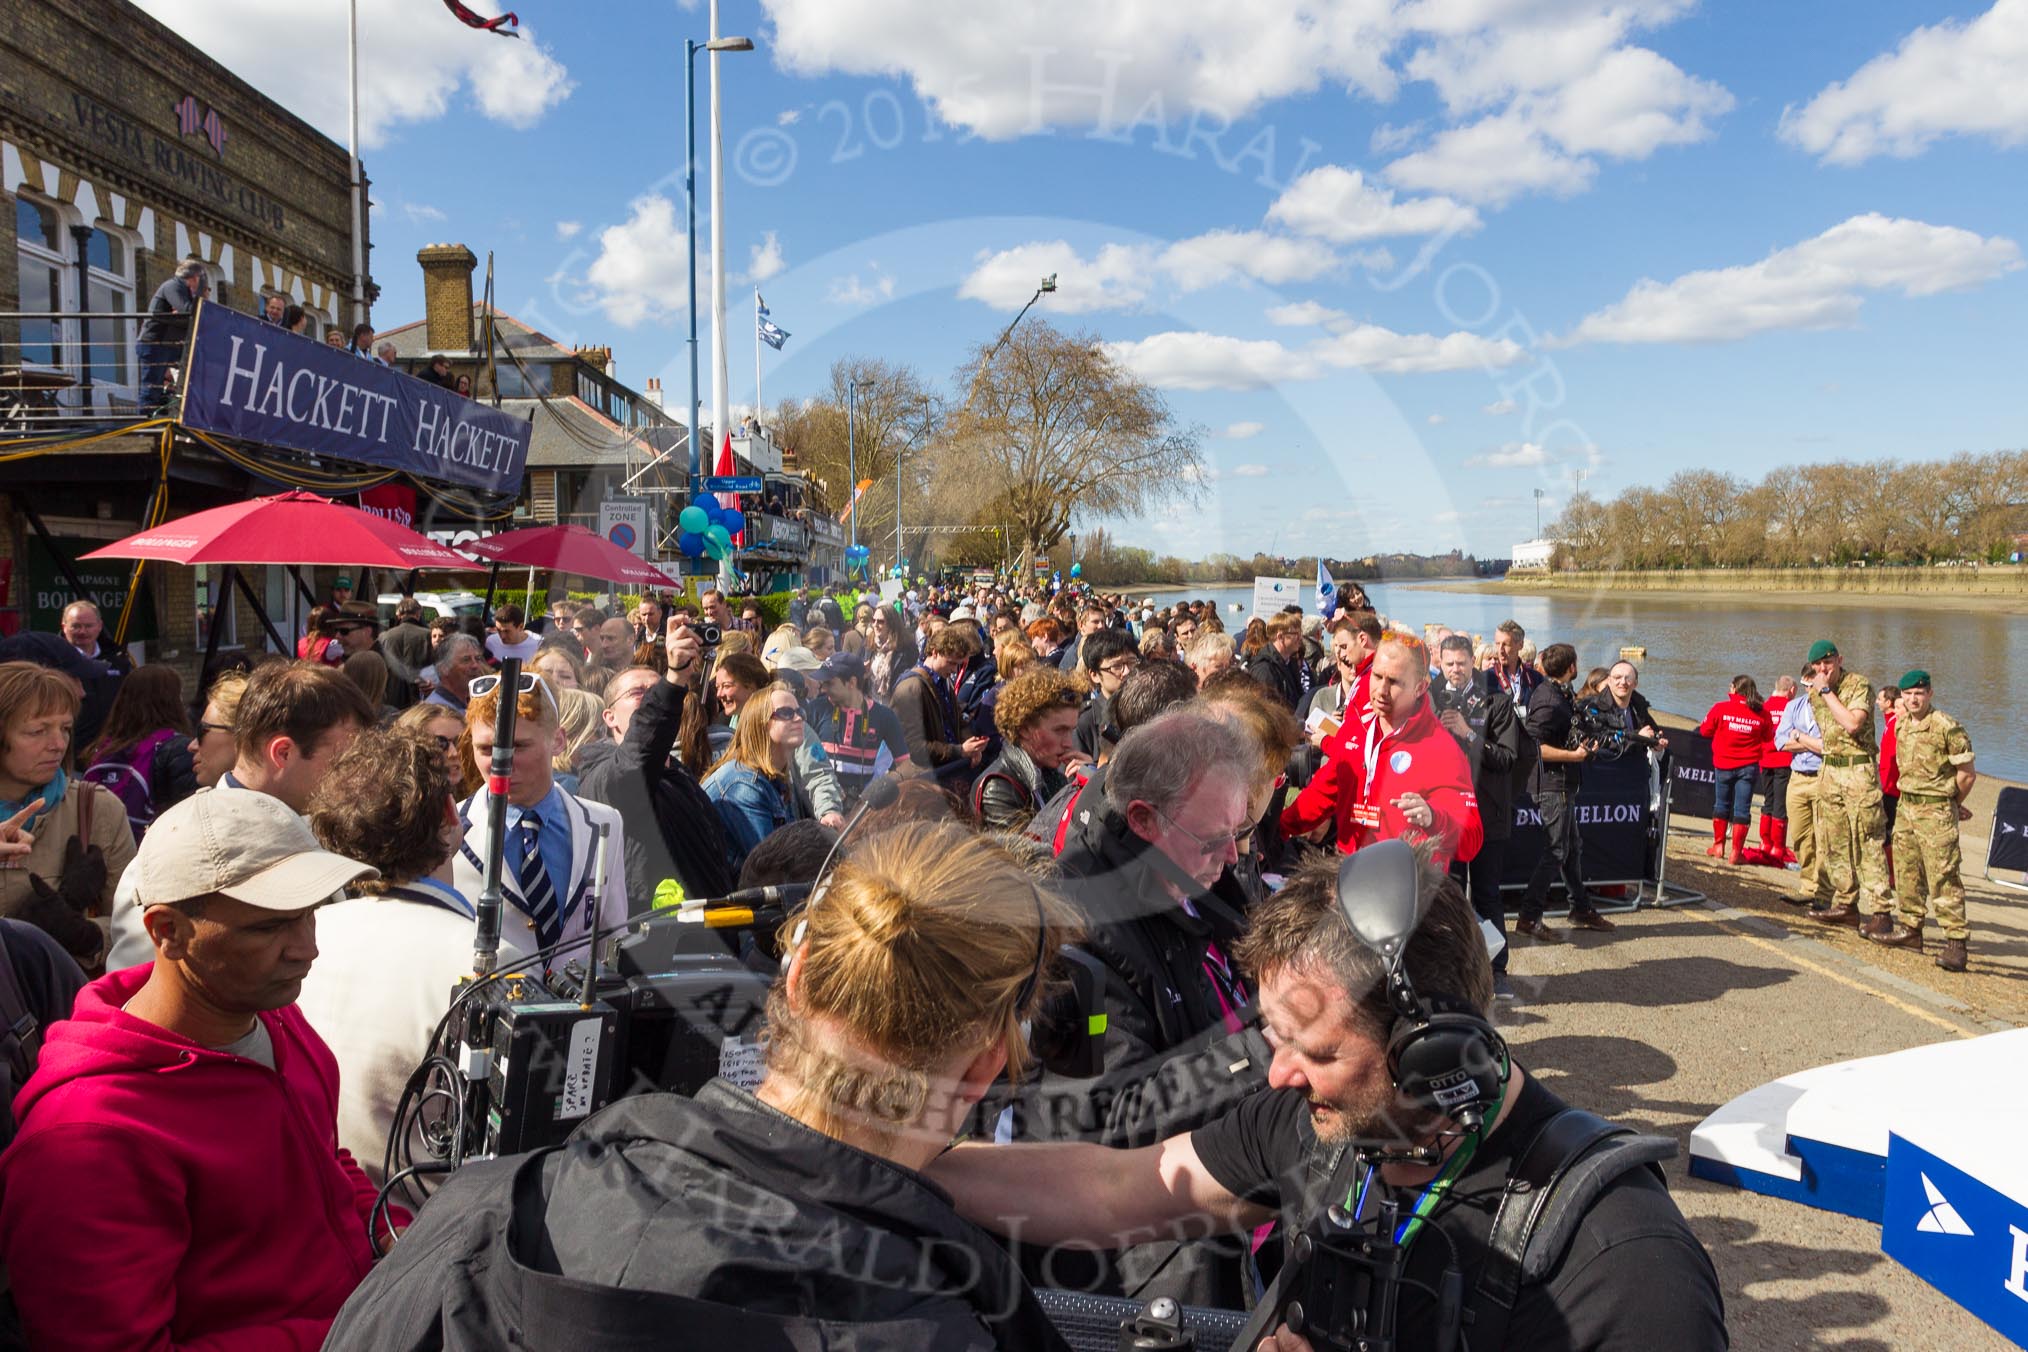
(1393, 773)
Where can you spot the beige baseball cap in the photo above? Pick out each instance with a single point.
(245, 844)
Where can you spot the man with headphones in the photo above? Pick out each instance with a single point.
(1610, 1264)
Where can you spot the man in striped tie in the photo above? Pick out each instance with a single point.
(552, 837)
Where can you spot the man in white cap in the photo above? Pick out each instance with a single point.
(180, 1127)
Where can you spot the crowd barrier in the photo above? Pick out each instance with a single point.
(2007, 842)
(1623, 809)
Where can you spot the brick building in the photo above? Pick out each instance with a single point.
(123, 150)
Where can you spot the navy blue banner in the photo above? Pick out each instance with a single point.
(250, 379)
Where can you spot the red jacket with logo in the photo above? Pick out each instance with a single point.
(1772, 759)
(1739, 733)
(1418, 757)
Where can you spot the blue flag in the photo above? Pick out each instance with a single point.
(772, 334)
(1327, 592)
(760, 306)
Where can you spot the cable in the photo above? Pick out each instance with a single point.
(380, 1201)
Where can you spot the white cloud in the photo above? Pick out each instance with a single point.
(1493, 160)
(765, 259)
(1012, 70)
(568, 229)
(1207, 361)
(640, 271)
(1513, 455)
(1249, 471)
(1219, 256)
(851, 291)
(1386, 139)
(413, 61)
(788, 117)
(1115, 278)
(421, 213)
(1306, 312)
(1952, 79)
(1338, 204)
(1240, 431)
(1436, 420)
(1817, 284)
(1500, 408)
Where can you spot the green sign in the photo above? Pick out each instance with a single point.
(105, 583)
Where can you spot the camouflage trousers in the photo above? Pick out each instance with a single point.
(1926, 862)
(1852, 832)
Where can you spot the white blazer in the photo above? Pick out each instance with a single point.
(517, 931)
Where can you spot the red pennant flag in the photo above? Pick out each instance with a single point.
(474, 20)
(726, 467)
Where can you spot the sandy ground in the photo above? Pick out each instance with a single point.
(1682, 1009)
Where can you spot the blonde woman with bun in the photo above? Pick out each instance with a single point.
(795, 1213)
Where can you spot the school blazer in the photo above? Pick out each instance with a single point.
(517, 931)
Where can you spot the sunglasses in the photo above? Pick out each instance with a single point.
(444, 743)
(786, 715)
(528, 684)
(203, 728)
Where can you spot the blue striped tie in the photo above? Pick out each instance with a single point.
(538, 894)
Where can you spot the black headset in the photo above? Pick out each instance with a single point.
(1443, 1055)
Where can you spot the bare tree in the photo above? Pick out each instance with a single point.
(1052, 431)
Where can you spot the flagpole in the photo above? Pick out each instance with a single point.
(756, 355)
(352, 150)
(718, 335)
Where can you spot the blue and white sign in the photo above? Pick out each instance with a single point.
(1960, 1235)
(732, 483)
(258, 382)
(1272, 595)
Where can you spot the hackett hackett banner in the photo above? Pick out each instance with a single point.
(250, 379)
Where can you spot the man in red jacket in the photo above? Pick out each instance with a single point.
(177, 1181)
(1393, 773)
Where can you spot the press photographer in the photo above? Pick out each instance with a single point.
(1611, 1264)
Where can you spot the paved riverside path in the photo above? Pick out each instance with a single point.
(1682, 1009)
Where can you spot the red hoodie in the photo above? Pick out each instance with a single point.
(1738, 732)
(1771, 759)
(163, 1195)
(1418, 757)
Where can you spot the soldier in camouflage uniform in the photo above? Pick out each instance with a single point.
(1934, 756)
(1851, 823)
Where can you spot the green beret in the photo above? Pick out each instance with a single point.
(1913, 678)
(1822, 649)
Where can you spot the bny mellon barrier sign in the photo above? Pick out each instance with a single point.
(250, 379)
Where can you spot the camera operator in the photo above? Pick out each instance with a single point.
(1631, 1276)
(1551, 715)
(795, 1214)
(1482, 719)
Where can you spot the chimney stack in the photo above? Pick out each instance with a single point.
(447, 296)
(654, 391)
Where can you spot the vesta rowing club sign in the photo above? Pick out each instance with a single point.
(258, 382)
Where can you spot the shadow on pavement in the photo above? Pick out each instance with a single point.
(1653, 983)
(1603, 1074)
(1766, 1320)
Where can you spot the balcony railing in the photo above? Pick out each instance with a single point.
(70, 370)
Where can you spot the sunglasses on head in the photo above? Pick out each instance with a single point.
(528, 684)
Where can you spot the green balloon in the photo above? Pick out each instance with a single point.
(719, 536)
(694, 520)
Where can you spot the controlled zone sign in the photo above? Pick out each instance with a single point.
(628, 523)
(1958, 1234)
(1272, 595)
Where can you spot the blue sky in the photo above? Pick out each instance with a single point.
(1419, 259)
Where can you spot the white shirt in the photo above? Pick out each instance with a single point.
(524, 650)
(383, 977)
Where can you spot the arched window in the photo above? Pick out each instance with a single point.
(46, 280)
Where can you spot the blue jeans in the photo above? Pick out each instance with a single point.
(1734, 801)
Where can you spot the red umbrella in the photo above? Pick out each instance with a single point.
(293, 528)
(569, 549)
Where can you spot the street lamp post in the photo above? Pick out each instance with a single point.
(852, 457)
(691, 48)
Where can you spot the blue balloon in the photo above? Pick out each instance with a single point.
(691, 543)
(734, 520)
(706, 501)
(1077, 570)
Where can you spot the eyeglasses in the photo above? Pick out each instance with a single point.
(1118, 666)
(203, 728)
(1211, 845)
(444, 743)
(528, 684)
(789, 715)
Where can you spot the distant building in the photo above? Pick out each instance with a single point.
(1533, 556)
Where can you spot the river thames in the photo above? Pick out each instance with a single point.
(1696, 646)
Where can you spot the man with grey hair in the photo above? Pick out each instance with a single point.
(1146, 852)
(167, 327)
(1210, 655)
(458, 659)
